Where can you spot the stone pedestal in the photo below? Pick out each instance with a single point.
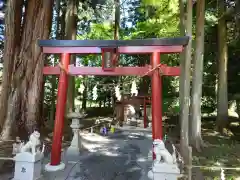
(55, 168)
(165, 165)
(28, 166)
(28, 161)
(73, 151)
(164, 171)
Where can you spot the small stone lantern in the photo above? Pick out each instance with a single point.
(73, 151)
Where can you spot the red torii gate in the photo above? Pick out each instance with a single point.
(110, 50)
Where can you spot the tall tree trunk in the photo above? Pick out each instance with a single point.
(185, 66)
(120, 109)
(195, 130)
(62, 21)
(182, 60)
(54, 78)
(41, 122)
(27, 77)
(12, 43)
(71, 32)
(237, 20)
(117, 19)
(185, 76)
(222, 93)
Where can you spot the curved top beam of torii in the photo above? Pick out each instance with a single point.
(176, 41)
(139, 46)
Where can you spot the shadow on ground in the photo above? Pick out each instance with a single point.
(119, 158)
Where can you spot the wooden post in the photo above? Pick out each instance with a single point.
(145, 113)
(60, 112)
(156, 98)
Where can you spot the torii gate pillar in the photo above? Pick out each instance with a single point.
(156, 98)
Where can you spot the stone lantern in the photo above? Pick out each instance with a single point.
(73, 151)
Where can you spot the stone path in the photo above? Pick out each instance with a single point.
(122, 156)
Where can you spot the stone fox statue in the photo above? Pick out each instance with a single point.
(162, 154)
(33, 144)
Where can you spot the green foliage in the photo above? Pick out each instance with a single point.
(103, 31)
(141, 19)
(161, 20)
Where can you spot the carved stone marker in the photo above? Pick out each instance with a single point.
(164, 166)
(73, 151)
(28, 162)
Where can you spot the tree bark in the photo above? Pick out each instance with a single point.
(185, 66)
(117, 19)
(12, 43)
(185, 78)
(54, 78)
(222, 92)
(195, 129)
(182, 56)
(27, 77)
(62, 21)
(71, 32)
